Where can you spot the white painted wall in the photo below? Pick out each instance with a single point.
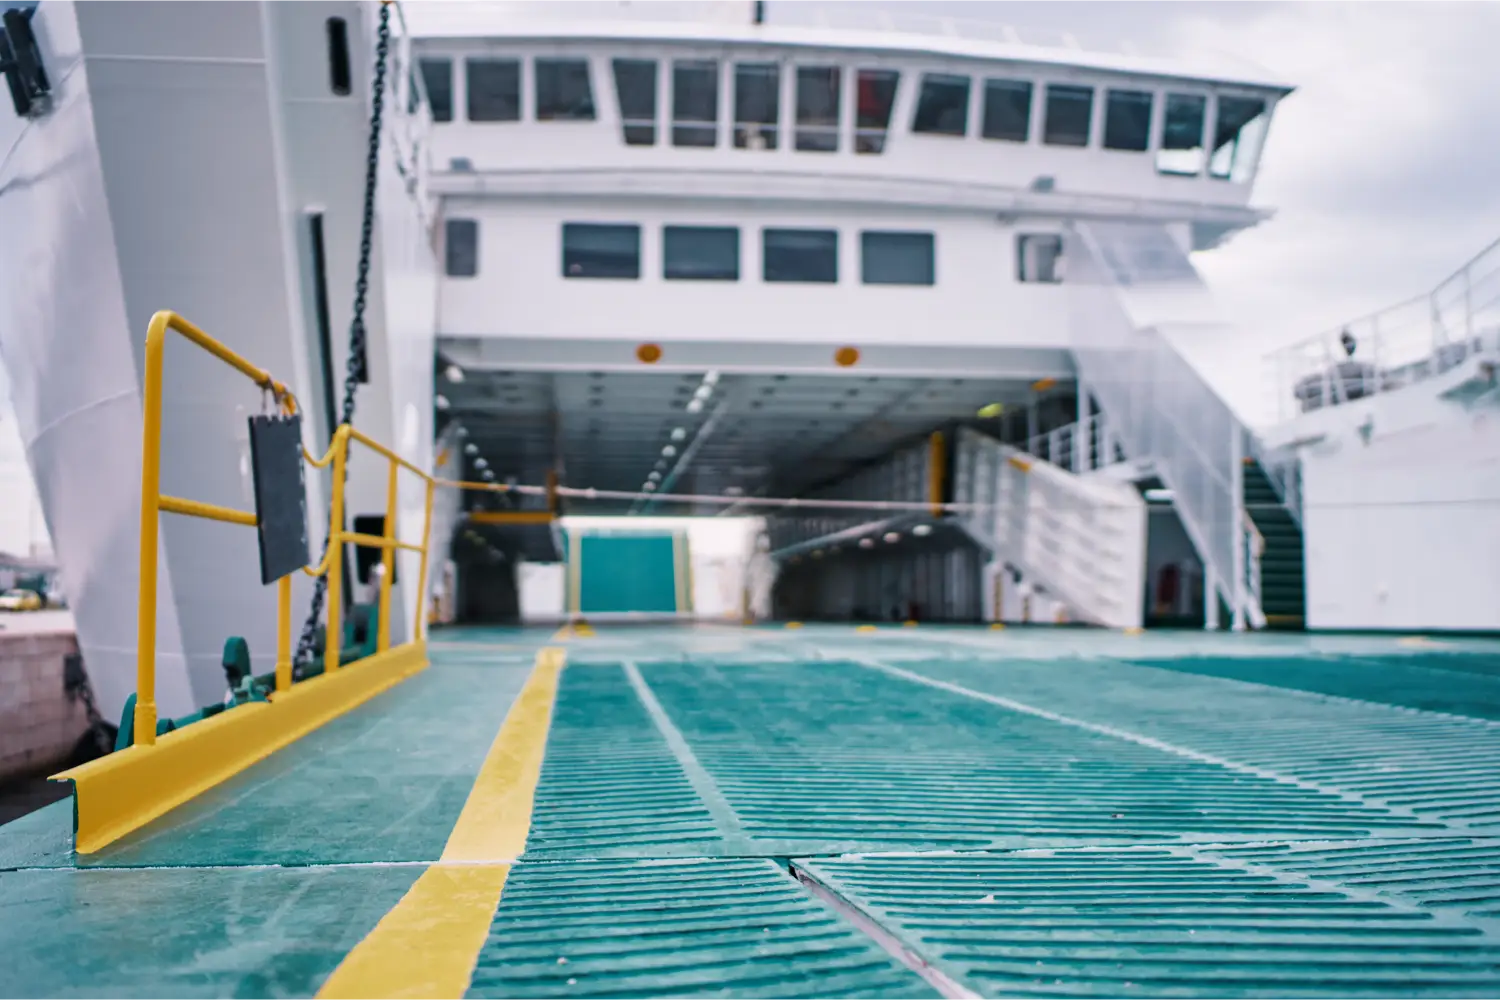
(543, 589)
(1403, 531)
(520, 290)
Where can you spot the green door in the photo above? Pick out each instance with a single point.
(630, 573)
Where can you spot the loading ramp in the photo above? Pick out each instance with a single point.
(821, 812)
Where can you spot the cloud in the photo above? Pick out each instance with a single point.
(1381, 166)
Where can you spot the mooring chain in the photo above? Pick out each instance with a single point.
(357, 367)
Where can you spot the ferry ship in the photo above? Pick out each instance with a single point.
(333, 327)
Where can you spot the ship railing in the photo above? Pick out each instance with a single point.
(837, 18)
(125, 790)
(1160, 408)
(154, 503)
(1084, 446)
(1398, 346)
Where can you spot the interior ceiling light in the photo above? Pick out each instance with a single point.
(892, 537)
(712, 378)
(922, 530)
(991, 411)
(440, 401)
(454, 374)
(867, 543)
(734, 491)
(678, 433)
(1158, 496)
(461, 431)
(648, 486)
(654, 475)
(703, 392)
(694, 405)
(669, 451)
(480, 463)
(471, 448)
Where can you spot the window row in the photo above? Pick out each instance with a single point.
(561, 91)
(712, 253)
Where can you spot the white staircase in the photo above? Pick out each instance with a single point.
(1081, 539)
(1137, 301)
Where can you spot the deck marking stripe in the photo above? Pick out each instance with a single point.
(429, 942)
(497, 816)
(1156, 744)
(698, 777)
(426, 946)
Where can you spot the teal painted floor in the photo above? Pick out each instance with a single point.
(819, 812)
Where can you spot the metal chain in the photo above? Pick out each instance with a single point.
(77, 687)
(355, 372)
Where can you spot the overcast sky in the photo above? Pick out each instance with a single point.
(1383, 167)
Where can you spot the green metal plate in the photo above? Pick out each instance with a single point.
(830, 757)
(728, 928)
(186, 932)
(1154, 922)
(1442, 772)
(1458, 683)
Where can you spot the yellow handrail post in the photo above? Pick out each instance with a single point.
(333, 638)
(387, 560)
(936, 473)
(284, 634)
(145, 625)
(418, 629)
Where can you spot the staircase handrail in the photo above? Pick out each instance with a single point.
(1145, 377)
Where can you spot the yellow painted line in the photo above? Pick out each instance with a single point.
(864, 628)
(497, 815)
(428, 944)
(1420, 642)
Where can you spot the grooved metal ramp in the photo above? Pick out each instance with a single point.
(722, 928)
(1162, 922)
(818, 813)
(826, 757)
(1065, 825)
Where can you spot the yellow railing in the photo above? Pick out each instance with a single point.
(153, 503)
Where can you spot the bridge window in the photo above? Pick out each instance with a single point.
(803, 255)
(1070, 113)
(494, 89)
(635, 86)
(1238, 134)
(757, 105)
(461, 248)
(943, 106)
(1039, 258)
(437, 78)
(818, 109)
(1181, 150)
(876, 96)
(601, 251)
(695, 103)
(701, 253)
(1127, 120)
(1007, 110)
(897, 258)
(563, 93)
